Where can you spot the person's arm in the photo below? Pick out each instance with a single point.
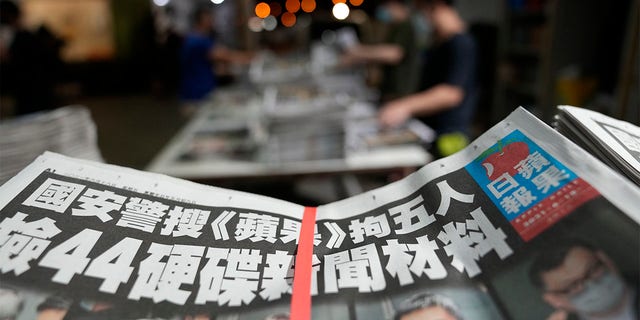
(441, 97)
(558, 315)
(223, 54)
(381, 53)
(432, 101)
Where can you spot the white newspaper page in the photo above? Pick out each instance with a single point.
(522, 224)
(91, 241)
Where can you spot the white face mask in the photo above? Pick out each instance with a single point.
(87, 305)
(599, 295)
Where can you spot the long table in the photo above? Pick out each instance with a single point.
(293, 133)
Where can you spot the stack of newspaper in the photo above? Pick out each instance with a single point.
(69, 131)
(614, 142)
(522, 224)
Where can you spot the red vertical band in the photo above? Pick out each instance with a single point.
(301, 296)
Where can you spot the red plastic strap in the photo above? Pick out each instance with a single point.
(301, 296)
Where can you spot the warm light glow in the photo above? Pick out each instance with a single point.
(160, 3)
(262, 10)
(356, 2)
(270, 23)
(292, 6)
(217, 1)
(339, 1)
(340, 11)
(308, 5)
(276, 9)
(288, 19)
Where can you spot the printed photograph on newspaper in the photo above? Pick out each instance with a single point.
(579, 257)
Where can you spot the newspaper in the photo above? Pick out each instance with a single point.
(471, 236)
(68, 130)
(615, 142)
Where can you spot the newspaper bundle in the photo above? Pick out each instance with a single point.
(68, 130)
(522, 224)
(615, 142)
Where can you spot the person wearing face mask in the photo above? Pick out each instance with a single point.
(398, 53)
(581, 282)
(30, 62)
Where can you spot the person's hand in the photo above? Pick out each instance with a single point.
(346, 60)
(558, 315)
(248, 56)
(394, 114)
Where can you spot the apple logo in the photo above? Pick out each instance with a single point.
(505, 160)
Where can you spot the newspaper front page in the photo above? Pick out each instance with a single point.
(522, 224)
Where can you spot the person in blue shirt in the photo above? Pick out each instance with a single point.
(197, 57)
(447, 97)
(196, 60)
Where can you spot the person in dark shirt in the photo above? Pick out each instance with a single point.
(30, 62)
(398, 54)
(446, 101)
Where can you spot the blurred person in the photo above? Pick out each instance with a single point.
(428, 306)
(398, 53)
(10, 303)
(168, 42)
(198, 54)
(447, 97)
(30, 61)
(581, 282)
(53, 308)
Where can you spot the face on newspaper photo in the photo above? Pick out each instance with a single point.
(431, 303)
(588, 271)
